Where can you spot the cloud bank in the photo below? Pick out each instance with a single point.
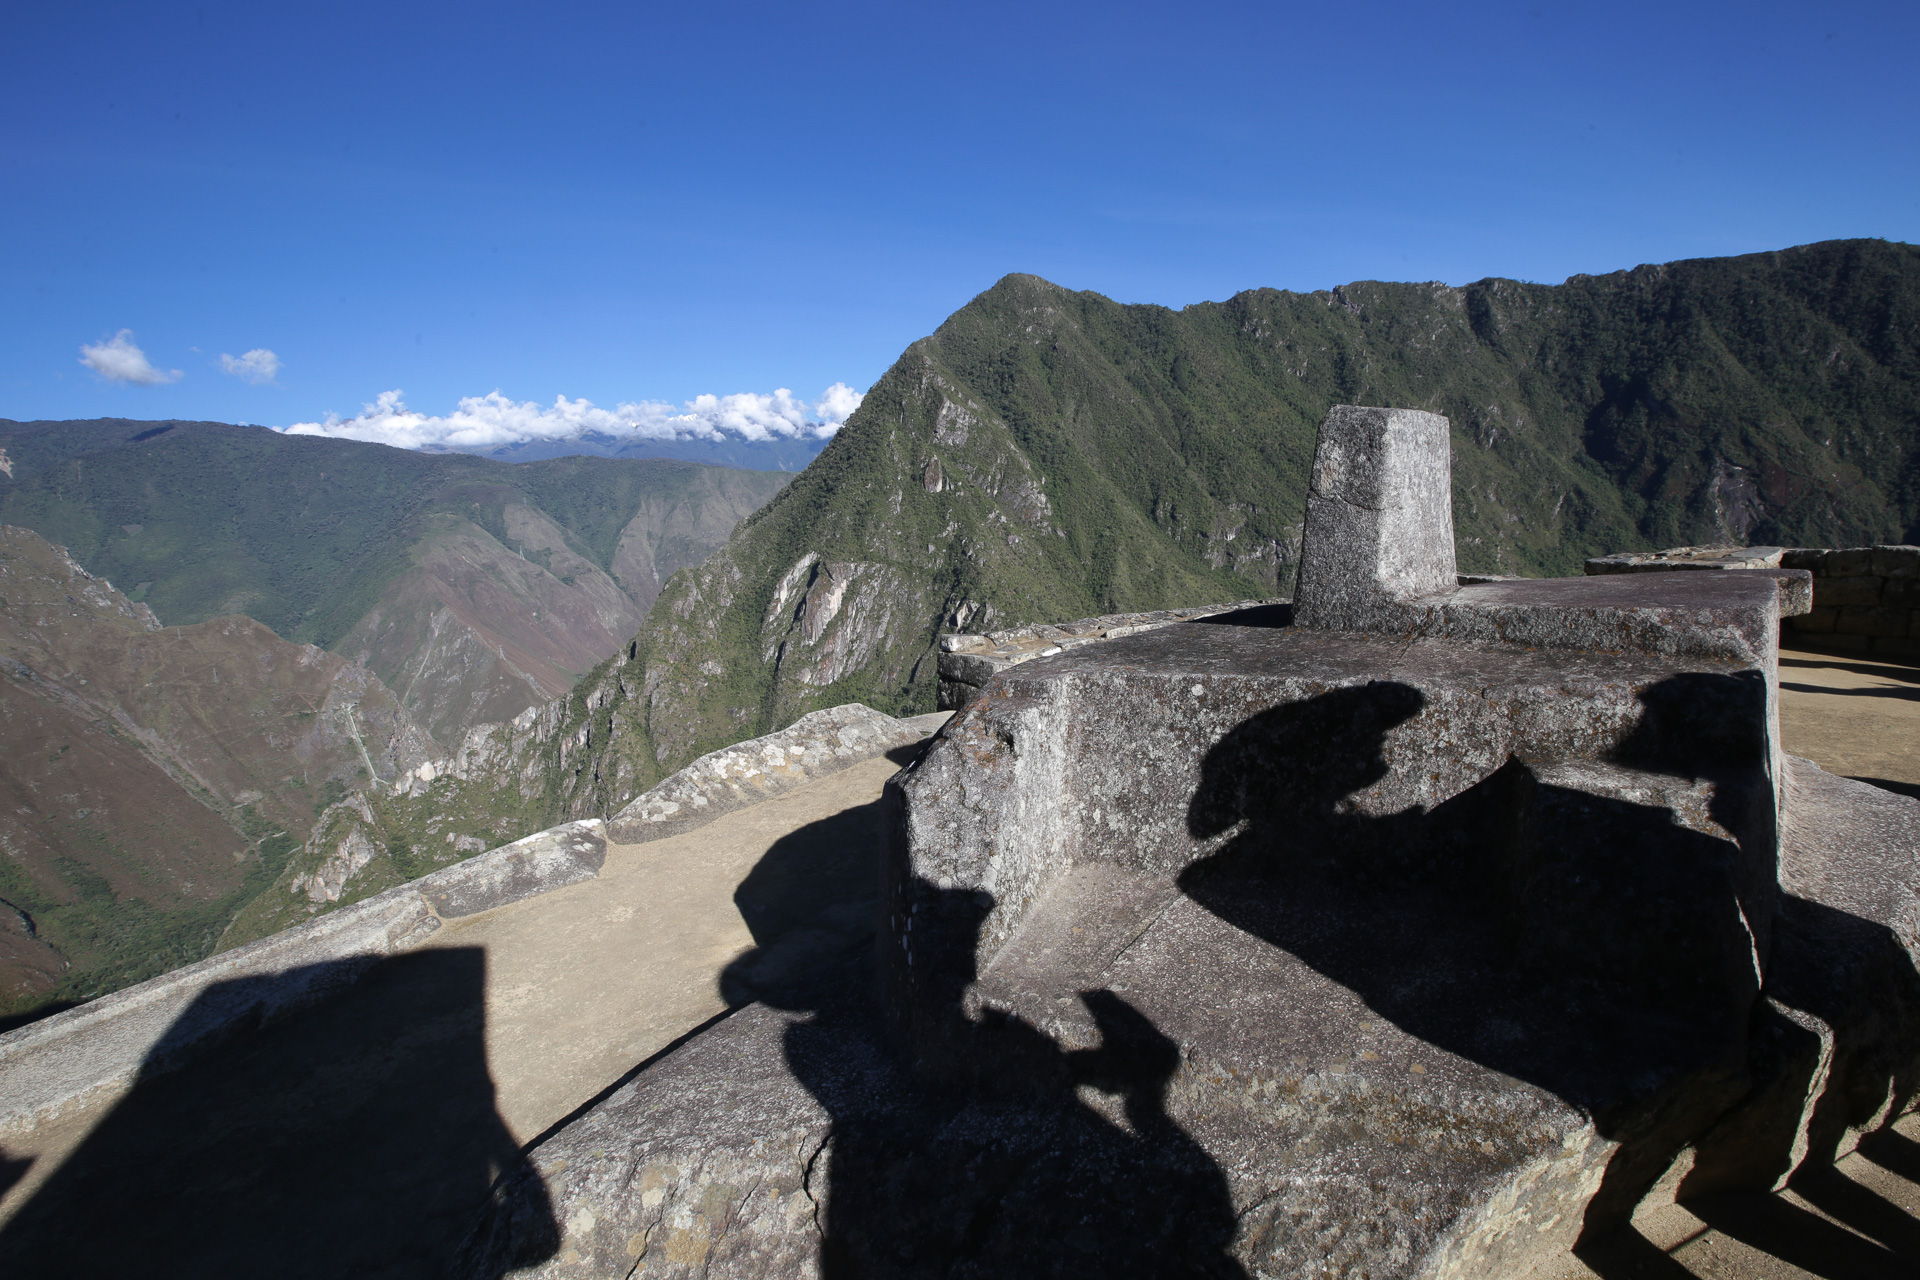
(488, 422)
(118, 360)
(257, 366)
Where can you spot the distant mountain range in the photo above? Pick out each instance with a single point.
(472, 588)
(185, 769)
(155, 779)
(783, 453)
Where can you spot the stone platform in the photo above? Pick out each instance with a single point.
(337, 1099)
(1431, 936)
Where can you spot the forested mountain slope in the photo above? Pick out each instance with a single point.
(474, 588)
(1048, 454)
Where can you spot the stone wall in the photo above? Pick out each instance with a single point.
(1865, 599)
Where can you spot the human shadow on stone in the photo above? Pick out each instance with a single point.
(354, 1137)
(1865, 1210)
(813, 895)
(11, 1170)
(1902, 695)
(1625, 1254)
(1560, 935)
(1011, 1174)
(1857, 979)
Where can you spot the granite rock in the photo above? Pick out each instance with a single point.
(1543, 877)
(562, 855)
(1379, 514)
(815, 745)
(1426, 938)
(967, 662)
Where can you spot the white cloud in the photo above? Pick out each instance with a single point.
(490, 421)
(118, 360)
(257, 366)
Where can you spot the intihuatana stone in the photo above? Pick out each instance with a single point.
(1423, 939)
(1379, 514)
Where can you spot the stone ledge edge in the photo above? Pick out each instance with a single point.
(723, 781)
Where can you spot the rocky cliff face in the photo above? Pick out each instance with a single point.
(1049, 454)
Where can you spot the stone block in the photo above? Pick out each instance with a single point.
(1343, 853)
(1872, 620)
(1811, 558)
(1724, 616)
(817, 744)
(1690, 558)
(1841, 592)
(1818, 620)
(1901, 593)
(967, 662)
(1897, 561)
(954, 695)
(551, 859)
(1379, 514)
(1851, 562)
(972, 668)
(1796, 591)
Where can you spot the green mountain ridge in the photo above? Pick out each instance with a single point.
(1049, 454)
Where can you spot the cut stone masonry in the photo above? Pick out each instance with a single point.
(1865, 599)
(1426, 936)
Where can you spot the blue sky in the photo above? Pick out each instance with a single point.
(647, 203)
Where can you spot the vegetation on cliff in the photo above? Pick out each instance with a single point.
(1048, 454)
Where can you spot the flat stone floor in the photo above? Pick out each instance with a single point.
(1853, 716)
(606, 973)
